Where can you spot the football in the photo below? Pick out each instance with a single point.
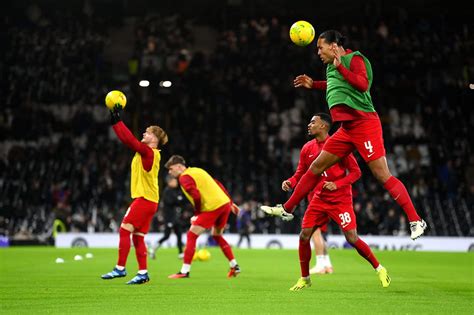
(302, 33)
(115, 97)
(203, 254)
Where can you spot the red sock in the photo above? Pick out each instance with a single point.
(226, 249)
(399, 193)
(364, 250)
(140, 250)
(124, 247)
(305, 185)
(304, 250)
(190, 247)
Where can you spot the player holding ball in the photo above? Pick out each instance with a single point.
(144, 189)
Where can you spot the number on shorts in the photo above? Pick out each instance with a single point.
(369, 146)
(324, 174)
(345, 218)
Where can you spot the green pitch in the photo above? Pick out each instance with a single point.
(422, 283)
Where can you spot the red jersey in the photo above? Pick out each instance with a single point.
(308, 154)
(343, 181)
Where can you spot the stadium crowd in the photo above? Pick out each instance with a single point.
(232, 111)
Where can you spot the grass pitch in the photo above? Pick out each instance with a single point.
(422, 283)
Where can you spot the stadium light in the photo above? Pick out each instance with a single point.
(471, 86)
(144, 83)
(166, 84)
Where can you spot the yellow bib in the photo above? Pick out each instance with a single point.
(145, 184)
(212, 196)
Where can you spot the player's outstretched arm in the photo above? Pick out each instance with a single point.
(125, 135)
(307, 82)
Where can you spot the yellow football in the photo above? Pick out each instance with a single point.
(203, 254)
(115, 97)
(302, 33)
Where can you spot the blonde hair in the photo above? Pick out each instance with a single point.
(160, 134)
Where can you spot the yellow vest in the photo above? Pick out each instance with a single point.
(212, 196)
(145, 184)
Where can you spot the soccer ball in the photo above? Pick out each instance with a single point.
(203, 255)
(302, 33)
(115, 97)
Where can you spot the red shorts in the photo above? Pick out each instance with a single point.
(140, 214)
(319, 213)
(217, 218)
(365, 135)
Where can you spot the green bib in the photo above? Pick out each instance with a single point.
(339, 91)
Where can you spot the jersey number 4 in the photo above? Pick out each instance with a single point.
(369, 146)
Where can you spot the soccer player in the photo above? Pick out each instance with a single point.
(212, 206)
(145, 194)
(318, 127)
(347, 85)
(333, 199)
(172, 204)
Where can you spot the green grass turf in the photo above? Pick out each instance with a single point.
(422, 283)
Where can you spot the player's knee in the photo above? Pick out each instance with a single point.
(381, 175)
(305, 236)
(351, 237)
(380, 170)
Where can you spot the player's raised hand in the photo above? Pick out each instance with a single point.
(303, 81)
(286, 185)
(331, 186)
(115, 114)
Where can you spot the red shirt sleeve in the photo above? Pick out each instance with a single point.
(356, 75)
(300, 170)
(188, 183)
(354, 173)
(320, 85)
(127, 138)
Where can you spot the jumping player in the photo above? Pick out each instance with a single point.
(145, 194)
(347, 85)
